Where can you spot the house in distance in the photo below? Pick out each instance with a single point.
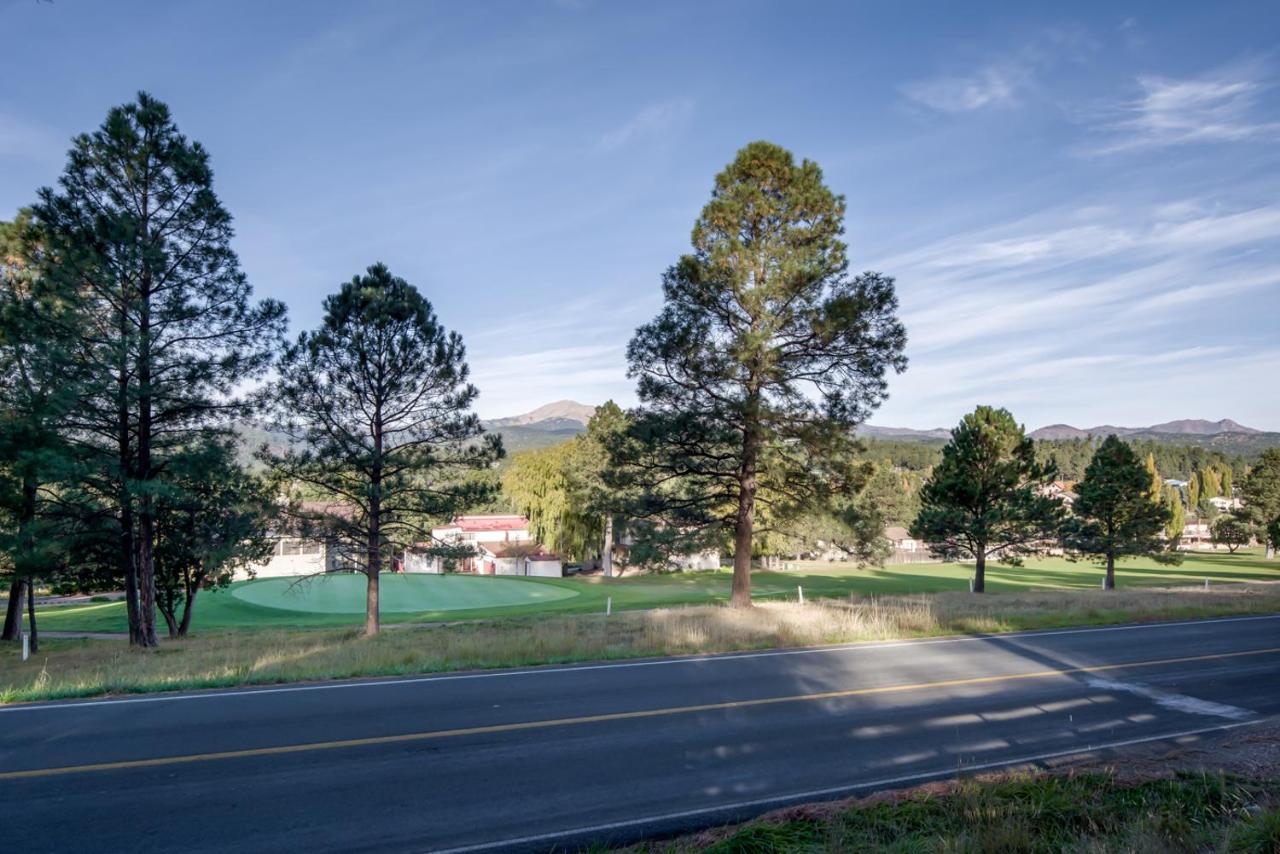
(502, 546)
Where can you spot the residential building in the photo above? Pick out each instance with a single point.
(497, 545)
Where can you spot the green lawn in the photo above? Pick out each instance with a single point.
(338, 601)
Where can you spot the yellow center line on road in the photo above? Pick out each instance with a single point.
(609, 716)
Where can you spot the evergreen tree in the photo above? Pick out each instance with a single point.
(1193, 490)
(377, 403)
(1260, 492)
(763, 359)
(136, 231)
(1227, 491)
(39, 384)
(1114, 514)
(986, 496)
(1177, 518)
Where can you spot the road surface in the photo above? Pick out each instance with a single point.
(565, 756)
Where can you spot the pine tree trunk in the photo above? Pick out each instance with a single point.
(606, 554)
(741, 597)
(744, 524)
(371, 625)
(31, 615)
(146, 507)
(980, 570)
(128, 557)
(1110, 583)
(13, 613)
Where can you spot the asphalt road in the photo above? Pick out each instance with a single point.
(561, 757)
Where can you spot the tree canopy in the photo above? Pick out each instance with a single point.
(1261, 495)
(136, 233)
(1116, 513)
(986, 495)
(377, 403)
(764, 358)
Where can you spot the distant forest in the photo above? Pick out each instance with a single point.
(1072, 455)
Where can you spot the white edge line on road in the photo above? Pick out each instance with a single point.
(819, 794)
(856, 646)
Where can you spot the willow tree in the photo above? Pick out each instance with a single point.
(377, 404)
(537, 483)
(986, 497)
(764, 358)
(1116, 513)
(136, 232)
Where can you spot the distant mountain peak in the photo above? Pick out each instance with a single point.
(560, 411)
(1185, 427)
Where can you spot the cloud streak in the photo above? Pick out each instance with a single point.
(1217, 108)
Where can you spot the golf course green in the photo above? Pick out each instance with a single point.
(399, 594)
(339, 600)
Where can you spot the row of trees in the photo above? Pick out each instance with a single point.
(130, 347)
(989, 496)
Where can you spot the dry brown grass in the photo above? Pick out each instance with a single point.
(72, 668)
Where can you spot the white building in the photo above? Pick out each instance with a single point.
(500, 545)
(295, 555)
(901, 539)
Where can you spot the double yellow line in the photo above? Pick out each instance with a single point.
(611, 716)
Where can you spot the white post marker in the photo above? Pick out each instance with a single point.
(1206, 584)
(1104, 582)
(800, 593)
(26, 646)
(972, 581)
(608, 607)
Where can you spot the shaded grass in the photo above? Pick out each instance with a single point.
(85, 667)
(1085, 812)
(221, 609)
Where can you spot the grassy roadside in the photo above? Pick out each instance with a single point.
(1086, 812)
(81, 668)
(1216, 793)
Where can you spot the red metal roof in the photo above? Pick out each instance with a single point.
(491, 523)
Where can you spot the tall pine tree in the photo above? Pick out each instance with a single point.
(765, 356)
(136, 230)
(377, 403)
(1115, 514)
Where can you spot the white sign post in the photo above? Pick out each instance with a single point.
(26, 646)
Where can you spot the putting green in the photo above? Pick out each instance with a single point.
(404, 594)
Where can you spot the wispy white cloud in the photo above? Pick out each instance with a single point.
(1106, 310)
(653, 120)
(1219, 107)
(992, 86)
(1003, 79)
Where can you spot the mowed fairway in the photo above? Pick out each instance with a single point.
(339, 600)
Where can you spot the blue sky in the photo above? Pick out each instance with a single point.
(1079, 201)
